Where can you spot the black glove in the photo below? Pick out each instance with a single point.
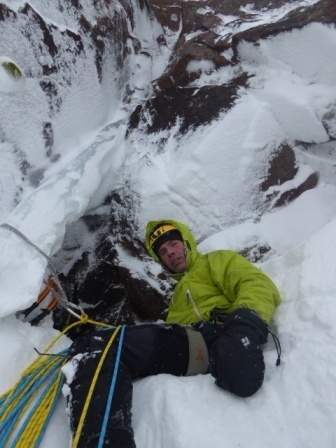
(244, 317)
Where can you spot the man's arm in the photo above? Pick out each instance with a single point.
(244, 284)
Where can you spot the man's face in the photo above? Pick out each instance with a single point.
(172, 254)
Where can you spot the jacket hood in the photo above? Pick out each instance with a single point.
(188, 241)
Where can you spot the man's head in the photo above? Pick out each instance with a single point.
(167, 242)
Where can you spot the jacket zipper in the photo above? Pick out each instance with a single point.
(191, 300)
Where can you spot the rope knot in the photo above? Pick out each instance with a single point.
(84, 318)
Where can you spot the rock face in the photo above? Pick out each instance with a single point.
(193, 106)
(56, 59)
(198, 22)
(190, 33)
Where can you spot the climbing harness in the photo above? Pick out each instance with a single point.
(26, 409)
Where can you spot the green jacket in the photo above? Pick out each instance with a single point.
(222, 279)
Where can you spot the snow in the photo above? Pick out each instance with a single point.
(204, 179)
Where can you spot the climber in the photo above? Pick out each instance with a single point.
(217, 321)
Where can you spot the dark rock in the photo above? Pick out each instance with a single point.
(52, 92)
(108, 291)
(257, 252)
(35, 177)
(48, 135)
(167, 12)
(290, 195)
(192, 107)
(202, 17)
(323, 11)
(282, 168)
(48, 39)
(101, 33)
(6, 13)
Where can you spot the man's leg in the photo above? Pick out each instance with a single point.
(85, 354)
(153, 349)
(146, 350)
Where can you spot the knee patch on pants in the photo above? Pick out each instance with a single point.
(154, 349)
(198, 353)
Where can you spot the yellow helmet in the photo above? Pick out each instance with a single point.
(162, 233)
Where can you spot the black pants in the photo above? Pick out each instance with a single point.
(235, 360)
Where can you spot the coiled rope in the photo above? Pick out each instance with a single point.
(26, 409)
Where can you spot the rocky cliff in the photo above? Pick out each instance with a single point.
(93, 54)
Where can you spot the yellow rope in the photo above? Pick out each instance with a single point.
(32, 432)
(40, 367)
(92, 386)
(84, 319)
(25, 389)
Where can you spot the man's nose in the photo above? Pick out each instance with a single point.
(170, 251)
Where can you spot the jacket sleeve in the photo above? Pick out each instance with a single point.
(245, 285)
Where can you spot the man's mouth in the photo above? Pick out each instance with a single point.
(176, 261)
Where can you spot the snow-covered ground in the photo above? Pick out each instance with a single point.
(205, 180)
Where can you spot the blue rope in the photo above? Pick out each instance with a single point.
(33, 410)
(22, 384)
(36, 380)
(111, 391)
(12, 419)
(58, 393)
(25, 381)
